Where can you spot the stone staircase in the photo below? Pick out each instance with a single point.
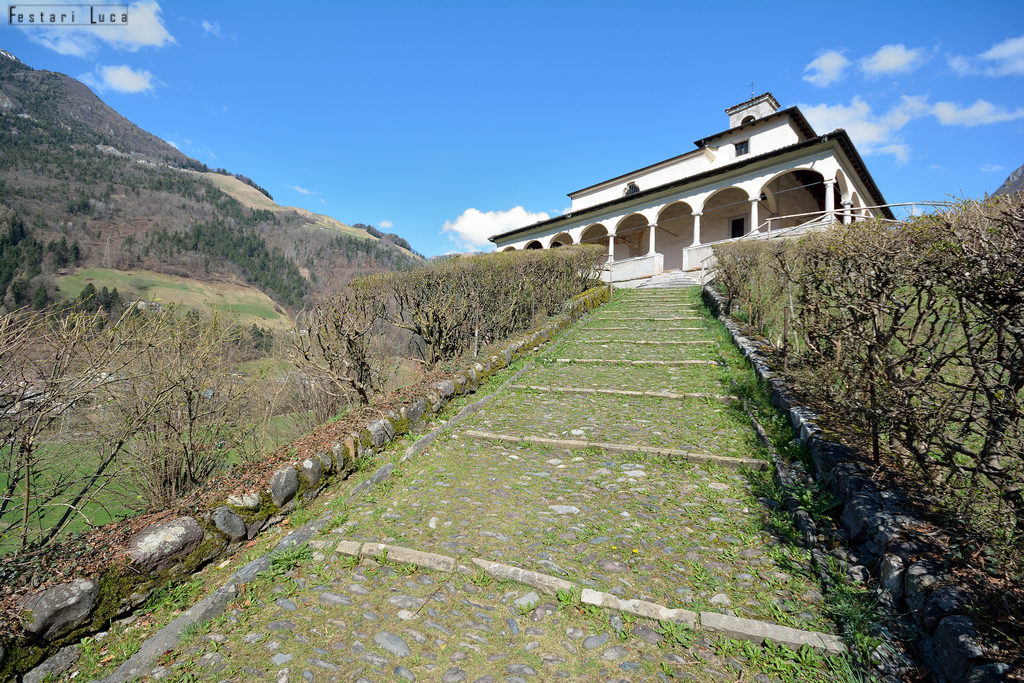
(671, 279)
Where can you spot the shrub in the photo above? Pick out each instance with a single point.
(912, 333)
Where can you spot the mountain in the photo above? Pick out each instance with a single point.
(82, 186)
(1014, 183)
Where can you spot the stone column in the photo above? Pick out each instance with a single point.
(611, 247)
(651, 229)
(847, 212)
(754, 225)
(830, 200)
(696, 229)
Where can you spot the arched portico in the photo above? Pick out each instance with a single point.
(535, 244)
(509, 249)
(674, 233)
(596, 234)
(726, 214)
(562, 239)
(800, 191)
(632, 237)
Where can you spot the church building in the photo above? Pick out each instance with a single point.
(768, 173)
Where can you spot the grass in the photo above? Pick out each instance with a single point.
(117, 499)
(248, 304)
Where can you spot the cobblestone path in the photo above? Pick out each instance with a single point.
(638, 520)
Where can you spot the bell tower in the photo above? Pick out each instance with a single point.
(753, 109)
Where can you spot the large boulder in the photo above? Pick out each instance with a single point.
(53, 667)
(312, 471)
(284, 485)
(444, 388)
(381, 432)
(229, 523)
(159, 546)
(60, 609)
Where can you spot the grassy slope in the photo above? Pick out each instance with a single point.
(253, 198)
(248, 303)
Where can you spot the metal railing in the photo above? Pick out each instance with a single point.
(819, 219)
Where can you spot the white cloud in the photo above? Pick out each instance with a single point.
(211, 28)
(827, 68)
(879, 133)
(990, 168)
(980, 113)
(386, 225)
(323, 201)
(300, 190)
(873, 133)
(1002, 59)
(121, 78)
(145, 28)
(173, 144)
(471, 229)
(893, 59)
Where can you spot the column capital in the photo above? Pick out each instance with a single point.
(697, 213)
(754, 200)
(830, 181)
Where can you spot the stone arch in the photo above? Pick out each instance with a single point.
(726, 214)
(674, 233)
(632, 236)
(746, 120)
(535, 244)
(856, 206)
(843, 186)
(596, 234)
(562, 239)
(797, 191)
(509, 249)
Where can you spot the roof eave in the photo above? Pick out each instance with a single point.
(839, 135)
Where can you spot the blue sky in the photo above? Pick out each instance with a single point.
(448, 121)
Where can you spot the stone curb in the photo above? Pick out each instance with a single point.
(664, 329)
(698, 458)
(658, 320)
(761, 631)
(640, 608)
(641, 342)
(734, 627)
(872, 516)
(638, 362)
(542, 582)
(624, 392)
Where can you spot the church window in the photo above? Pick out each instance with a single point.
(742, 147)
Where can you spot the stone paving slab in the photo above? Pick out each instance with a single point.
(649, 342)
(642, 452)
(626, 361)
(664, 393)
(702, 378)
(675, 534)
(699, 425)
(334, 621)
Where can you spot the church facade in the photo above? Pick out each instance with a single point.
(768, 172)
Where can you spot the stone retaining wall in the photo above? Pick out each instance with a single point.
(61, 615)
(881, 538)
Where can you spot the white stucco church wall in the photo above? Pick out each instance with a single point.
(768, 171)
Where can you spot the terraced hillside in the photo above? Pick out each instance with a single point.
(603, 515)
